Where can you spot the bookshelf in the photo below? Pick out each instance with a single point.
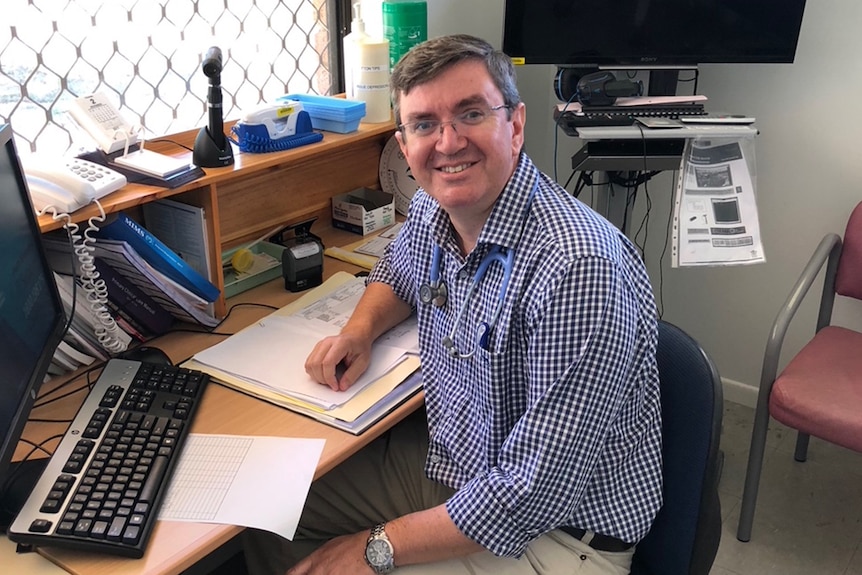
(259, 191)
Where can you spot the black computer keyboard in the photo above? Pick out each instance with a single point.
(102, 487)
(596, 116)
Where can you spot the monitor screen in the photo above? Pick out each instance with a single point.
(651, 33)
(31, 312)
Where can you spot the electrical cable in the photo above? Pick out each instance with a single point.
(557, 131)
(664, 251)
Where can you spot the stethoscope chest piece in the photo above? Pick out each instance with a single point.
(434, 293)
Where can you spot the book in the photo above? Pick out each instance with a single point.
(392, 378)
(75, 354)
(121, 227)
(181, 304)
(145, 314)
(183, 228)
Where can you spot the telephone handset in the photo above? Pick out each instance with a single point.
(103, 122)
(69, 183)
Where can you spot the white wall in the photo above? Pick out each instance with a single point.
(807, 162)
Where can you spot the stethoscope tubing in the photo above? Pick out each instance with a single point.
(435, 291)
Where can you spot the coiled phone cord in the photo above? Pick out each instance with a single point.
(94, 286)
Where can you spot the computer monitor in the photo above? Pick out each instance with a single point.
(32, 319)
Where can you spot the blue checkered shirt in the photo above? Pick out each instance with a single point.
(559, 421)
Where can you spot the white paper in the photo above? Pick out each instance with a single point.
(376, 246)
(272, 352)
(715, 218)
(259, 482)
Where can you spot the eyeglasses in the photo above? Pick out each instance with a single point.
(469, 119)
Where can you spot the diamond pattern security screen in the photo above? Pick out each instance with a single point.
(145, 55)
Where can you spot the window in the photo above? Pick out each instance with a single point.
(145, 55)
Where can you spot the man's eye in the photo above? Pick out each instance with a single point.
(473, 116)
(423, 127)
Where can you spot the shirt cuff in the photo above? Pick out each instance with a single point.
(480, 515)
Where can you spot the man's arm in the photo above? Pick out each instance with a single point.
(378, 310)
(421, 537)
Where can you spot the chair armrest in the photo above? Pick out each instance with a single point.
(827, 252)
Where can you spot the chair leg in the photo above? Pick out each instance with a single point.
(752, 474)
(801, 453)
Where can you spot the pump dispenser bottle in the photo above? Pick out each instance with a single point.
(366, 70)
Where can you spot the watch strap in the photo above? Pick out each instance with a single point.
(378, 532)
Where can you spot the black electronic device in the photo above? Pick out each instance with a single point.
(656, 35)
(602, 89)
(32, 323)
(302, 258)
(212, 148)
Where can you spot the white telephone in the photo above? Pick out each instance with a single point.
(103, 122)
(68, 183)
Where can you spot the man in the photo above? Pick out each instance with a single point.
(537, 334)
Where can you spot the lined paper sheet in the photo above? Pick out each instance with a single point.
(259, 482)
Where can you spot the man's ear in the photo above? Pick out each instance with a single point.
(399, 135)
(519, 119)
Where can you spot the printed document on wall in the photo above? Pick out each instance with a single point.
(715, 211)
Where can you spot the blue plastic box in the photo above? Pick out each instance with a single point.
(330, 114)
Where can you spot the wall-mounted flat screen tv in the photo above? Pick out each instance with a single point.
(651, 33)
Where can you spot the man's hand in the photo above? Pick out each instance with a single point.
(343, 555)
(338, 361)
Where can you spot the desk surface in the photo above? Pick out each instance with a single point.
(176, 546)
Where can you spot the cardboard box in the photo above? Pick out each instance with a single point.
(363, 211)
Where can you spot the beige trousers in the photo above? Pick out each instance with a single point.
(386, 480)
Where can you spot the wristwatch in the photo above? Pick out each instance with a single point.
(378, 551)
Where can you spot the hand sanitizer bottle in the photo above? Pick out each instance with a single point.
(366, 70)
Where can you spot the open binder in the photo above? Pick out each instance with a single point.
(392, 378)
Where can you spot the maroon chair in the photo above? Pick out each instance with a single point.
(819, 393)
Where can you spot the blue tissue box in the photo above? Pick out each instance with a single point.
(330, 114)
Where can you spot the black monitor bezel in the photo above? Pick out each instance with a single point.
(10, 440)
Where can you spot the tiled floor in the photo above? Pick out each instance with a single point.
(809, 515)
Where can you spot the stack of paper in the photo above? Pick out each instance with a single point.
(267, 359)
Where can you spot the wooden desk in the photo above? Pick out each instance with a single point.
(176, 546)
(241, 202)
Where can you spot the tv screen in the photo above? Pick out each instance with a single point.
(31, 312)
(651, 33)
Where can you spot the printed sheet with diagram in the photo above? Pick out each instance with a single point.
(715, 219)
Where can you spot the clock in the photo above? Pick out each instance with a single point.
(395, 176)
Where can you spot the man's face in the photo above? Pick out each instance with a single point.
(466, 167)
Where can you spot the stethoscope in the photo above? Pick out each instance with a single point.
(436, 293)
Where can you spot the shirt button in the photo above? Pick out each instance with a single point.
(435, 459)
(462, 275)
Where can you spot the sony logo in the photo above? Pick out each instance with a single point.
(648, 59)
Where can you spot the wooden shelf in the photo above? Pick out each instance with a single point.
(259, 191)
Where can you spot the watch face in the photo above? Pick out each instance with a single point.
(395, 176)
(378, 552)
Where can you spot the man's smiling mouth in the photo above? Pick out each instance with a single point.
(455, 169)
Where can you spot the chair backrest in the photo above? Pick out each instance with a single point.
(848, 281)
(685, 535)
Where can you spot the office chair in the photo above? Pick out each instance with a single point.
(819, 392)
(684, 537)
